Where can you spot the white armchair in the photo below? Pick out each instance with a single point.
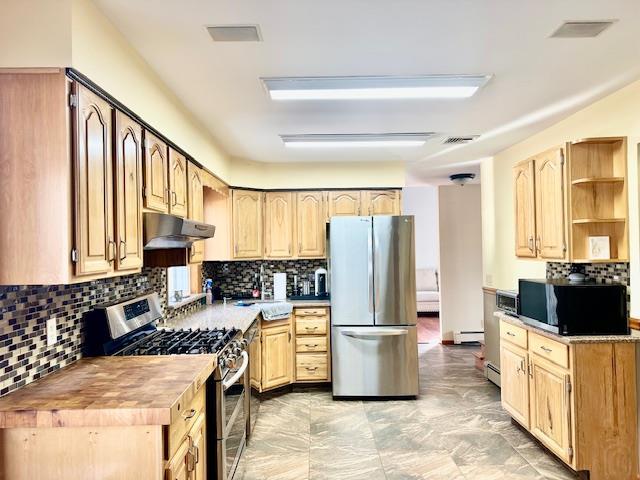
(427, 290)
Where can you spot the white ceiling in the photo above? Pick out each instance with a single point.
(537, 80)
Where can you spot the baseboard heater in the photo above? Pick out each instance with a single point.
(492, 373)
(461, 338)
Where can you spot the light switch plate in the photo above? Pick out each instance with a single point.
(52, 331)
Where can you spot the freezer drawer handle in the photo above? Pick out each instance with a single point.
(372, 334)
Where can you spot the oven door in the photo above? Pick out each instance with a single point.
(231, 424)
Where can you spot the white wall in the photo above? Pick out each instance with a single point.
(422, 202)
(460, 259)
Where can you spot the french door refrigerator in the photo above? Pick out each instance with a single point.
(374, 347)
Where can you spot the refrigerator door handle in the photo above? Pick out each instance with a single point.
(375, 334)
(370, 268)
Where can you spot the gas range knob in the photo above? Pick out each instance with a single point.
(244, 342)
(230, 360)
(237, 350)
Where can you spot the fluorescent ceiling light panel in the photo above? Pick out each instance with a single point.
(374, 88)
(362, 140)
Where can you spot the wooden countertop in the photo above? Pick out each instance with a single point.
(109, 391)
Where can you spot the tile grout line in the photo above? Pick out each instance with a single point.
(384, 471)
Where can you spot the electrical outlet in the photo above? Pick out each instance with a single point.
(52, 331)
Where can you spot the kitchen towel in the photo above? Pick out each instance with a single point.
(276, 311)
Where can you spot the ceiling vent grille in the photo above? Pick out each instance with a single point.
(235, 33)
(582, 29)
(460, 140)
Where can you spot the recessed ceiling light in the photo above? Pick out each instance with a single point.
(581, 29)
(360, 140)
(368, 88)
(235, 33)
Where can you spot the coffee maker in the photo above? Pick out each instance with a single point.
(321, 283)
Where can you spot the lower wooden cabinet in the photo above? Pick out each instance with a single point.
(578, 399)
(276, 356)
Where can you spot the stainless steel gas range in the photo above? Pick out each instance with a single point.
(128, 328)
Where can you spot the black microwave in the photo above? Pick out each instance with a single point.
(568, 308)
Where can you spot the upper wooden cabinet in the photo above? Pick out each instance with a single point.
(196, 207)
(128, 192)
(177, 183)
(247, 228)
(95, 248)
(156, 174)
(310, 224)
(579, 191)
(380, 202)
(525, 204)
(346, 202)
(278, 224)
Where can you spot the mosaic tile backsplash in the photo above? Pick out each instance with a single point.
(24, 310)
(600, 272)
(235, 279)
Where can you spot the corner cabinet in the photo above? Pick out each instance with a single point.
(549, 386)
(271, 356)
(246, 212)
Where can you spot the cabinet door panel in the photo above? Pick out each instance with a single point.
(278, 224)
(550, 209)
(195, 207)
(382, 202)
(344, 203)
(198, 450)
(93, 184)
(524, 183)
(247, 223)
(276, 357)
(156, 174)
(310, 224)
(128, 192)
(515, 382)
(177, 468)
(550, 407)
(255, 367)
(177, 183)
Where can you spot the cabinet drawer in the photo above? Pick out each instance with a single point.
(310, 366)
(513, 334)
(311, 326)
(184, 421)
(310, 343)
(553, 351)
(304, 312)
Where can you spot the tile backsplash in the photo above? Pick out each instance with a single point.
(235, 278)
(24, 310)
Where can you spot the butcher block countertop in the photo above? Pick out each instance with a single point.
(109, 391)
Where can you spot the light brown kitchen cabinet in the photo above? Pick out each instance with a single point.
(196, 462)
(312, 344)
(195, 205)
(525, 208)
(246, 206)
(95, 246)
(549, 387)
(177, 467)
(550, 204)
(310, 224)
(128, 192)
(276, 356)
(177, 183)
(346, 202)
(156, 174)
(278, 224)
(380, 202)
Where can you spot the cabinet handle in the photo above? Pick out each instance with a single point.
(123, 250)
(530, 369)
(165, 196)
(192, 458)
(311, 345)
(289, 336)
(112, 250)
(174, 195)
(511, 334)
(189, 414)
(531, 243)
(546, 349)
(312, 369)
(310, 329)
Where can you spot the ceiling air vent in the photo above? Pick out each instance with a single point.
(582, 29)
(460, 140)
(235, 33)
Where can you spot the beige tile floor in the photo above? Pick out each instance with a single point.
(455, 430)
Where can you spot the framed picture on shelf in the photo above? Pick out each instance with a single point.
(599, 248)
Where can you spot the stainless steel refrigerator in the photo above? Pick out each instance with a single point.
(374, 347)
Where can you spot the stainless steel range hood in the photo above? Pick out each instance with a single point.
(168, 231)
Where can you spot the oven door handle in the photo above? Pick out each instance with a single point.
(228, 382)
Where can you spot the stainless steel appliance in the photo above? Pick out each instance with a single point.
(568, 308)
(507, 302)
(373, 306)
(491, 336)
(162, 230)
(128, 328)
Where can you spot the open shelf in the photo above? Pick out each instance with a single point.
(598, 220)
(590, 180)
